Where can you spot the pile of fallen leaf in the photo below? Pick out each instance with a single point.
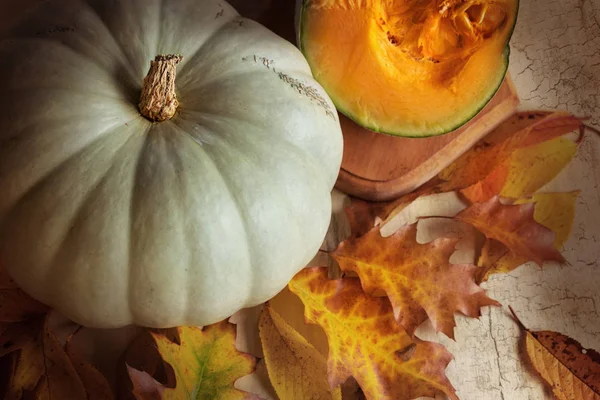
(390, 284)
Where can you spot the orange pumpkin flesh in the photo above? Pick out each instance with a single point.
(408, 67)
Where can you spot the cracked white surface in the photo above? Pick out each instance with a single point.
(555, 63)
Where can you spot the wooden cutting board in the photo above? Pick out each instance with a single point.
(380, 167)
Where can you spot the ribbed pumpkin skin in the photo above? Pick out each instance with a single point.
(113, 219)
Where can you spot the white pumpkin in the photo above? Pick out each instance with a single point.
(113, 219)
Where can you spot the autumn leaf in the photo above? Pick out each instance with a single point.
(534, 166)
(555, 211)
(145, 387)
(142, 355)
(365, 215)
(572, 371)
(94, 383)
(366, 342)
(513, 226)
(418, 278)
(15, 305)
(206, 363)
(296, 369)
(43, 367)
(522, 130)
(502, 162)
(488, 187)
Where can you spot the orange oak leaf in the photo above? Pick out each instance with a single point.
(515, 227)
(206, 364)
(43, 368)
(366, 342)
(555, 211)
(418, 278)
(572, 371)
(296, 368)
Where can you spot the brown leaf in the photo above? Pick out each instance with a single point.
(418, 278)
(515, 227)
(142, 355)
(145, 387)
(15, 305)
(366, 342)
(44, 368)
(572, 371)
(95, 384)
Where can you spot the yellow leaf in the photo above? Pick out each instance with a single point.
(296, 369)
(366, 342)
(206, 363)
(534, 166)
(555, 211)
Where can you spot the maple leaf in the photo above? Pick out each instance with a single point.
(513, 226)
(417, 278)
(570, 370)
(206, 364)
(296, 368)
(43, 368)
(366, 342)
(555, 211)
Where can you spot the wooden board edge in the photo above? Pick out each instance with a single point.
(366, 189)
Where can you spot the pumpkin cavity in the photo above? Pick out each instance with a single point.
(408, 67)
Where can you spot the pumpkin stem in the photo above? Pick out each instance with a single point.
(158, 101)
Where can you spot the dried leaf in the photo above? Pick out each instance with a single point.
(145, 387)
(418, 278)
(364, 215)
(15, 305)
(534, 166)
(555, 211)
(142, 355)
(523, 129)
(488, 187)
(572, 371)
(296, 369)
(95, 384)
(515, 227)
(206, 362)
(44, 368)
(366, 342)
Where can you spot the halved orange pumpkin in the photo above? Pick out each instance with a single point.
(408, 67)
